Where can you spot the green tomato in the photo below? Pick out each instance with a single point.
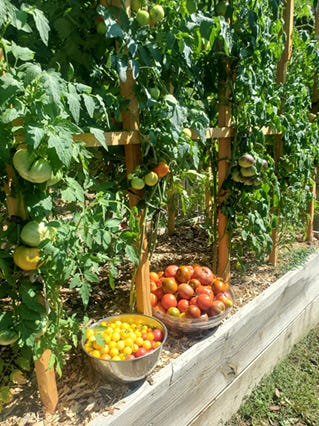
(137, 183)
(8, 337)
(101, 27)
(142, 17)
(155, 92)
(157, 13)
(151, 178)
(31, 168)
(187, 132)
(33, 233)
(174, 312)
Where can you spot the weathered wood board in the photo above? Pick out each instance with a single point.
(206, 384)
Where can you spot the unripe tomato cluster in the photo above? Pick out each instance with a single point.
(121, 340)
(151, 178)
(249, 170)
(189, 291)
(147, 17)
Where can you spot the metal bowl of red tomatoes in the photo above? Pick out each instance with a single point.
(190, 298)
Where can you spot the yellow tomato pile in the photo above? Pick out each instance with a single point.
(121, 340)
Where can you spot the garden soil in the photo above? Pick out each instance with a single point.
(82, 395)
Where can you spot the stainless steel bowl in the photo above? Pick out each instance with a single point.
(132, 370)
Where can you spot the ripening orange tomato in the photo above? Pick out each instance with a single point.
(161, 169)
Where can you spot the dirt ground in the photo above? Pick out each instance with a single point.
(82, 396)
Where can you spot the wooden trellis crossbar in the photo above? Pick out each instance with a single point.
(134, 137)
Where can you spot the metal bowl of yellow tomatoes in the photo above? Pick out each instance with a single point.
(124, 348)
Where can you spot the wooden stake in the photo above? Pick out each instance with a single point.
(281, 78)
(46, 382)
(224, 155)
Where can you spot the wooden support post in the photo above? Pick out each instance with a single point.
(281, 78)
(224, 155)
(133, 157)
(46, 382)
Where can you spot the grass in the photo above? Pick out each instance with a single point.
(290, 394)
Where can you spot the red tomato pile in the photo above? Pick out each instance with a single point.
(189, 291)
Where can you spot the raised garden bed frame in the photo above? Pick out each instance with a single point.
(207, 383)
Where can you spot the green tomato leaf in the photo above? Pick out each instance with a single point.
(89, 104)
(85, 292)
(132, 254)
(34, 136)
(21, 53)
(74, 104)
(74, 191)
(42, 24)
(99, 134)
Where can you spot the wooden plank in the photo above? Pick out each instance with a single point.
(133, 137)
(111, 138)
(229, 401)
(267, 327)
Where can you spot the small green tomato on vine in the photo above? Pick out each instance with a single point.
(142, 17)
(100, 26)
(151, 179)
(155, 92)
(137, 183)
(157, 13)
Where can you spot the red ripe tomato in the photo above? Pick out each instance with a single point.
(169, 285)
(194, 282)
(184, 273)
(168, 300)
(217, 308)
(140, 352)
(193, 311)
(158, 335)
(225, 298)
(204, 302)
(183, 304)
(154, 299)
(204, 289)
(185, 291)
(203, 274)
(159, 292)
(193, 300)
(170, 271)
(219, 285)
